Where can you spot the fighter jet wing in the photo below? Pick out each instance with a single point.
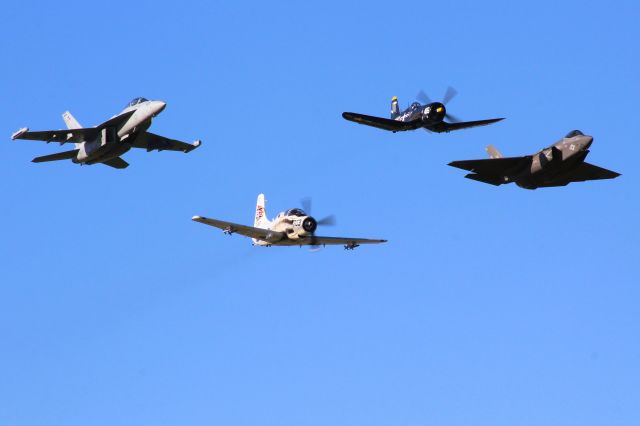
(380, 123)
(116, 163)
(318, 241)
(71, 135)
(581, 173)
(492, 166)
(444, 127)
(247, 231)
(151, 141)
(62, 136)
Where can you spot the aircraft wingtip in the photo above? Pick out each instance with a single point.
(19, 133)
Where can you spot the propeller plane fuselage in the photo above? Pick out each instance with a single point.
(294, 224)
(423, 115)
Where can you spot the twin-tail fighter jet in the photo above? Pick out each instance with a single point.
(558, 165)
(291, 228)
(106, 142)
(428, 115)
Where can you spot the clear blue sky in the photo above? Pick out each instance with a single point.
(488, 306)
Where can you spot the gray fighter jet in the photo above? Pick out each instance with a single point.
(558, 165)
(106, 142)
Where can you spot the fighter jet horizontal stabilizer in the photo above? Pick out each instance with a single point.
(67, 155)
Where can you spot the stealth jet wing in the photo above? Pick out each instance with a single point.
(581, 173)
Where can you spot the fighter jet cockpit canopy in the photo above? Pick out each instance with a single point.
(137, 101)
(574, 133)
(295, 212)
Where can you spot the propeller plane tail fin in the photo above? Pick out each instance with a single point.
(395, 110)
(261, 220)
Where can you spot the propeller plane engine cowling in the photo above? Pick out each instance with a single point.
(301, 227)
(433, 112)
(309, 224)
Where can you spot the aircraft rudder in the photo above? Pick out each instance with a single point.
(261, 220)
(395, 110)
(493, 152)
(70, 121)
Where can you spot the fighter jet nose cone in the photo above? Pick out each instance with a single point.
(157, 107)
(588, 140)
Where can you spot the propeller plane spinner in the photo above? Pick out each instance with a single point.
(558, 165)
(291, 228)
(428, 115)
(106, 142)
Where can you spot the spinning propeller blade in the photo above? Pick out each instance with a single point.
(327, 221)
(306, 204)
(330, 220)
(423, 97)
(449, 94)
(452, 118)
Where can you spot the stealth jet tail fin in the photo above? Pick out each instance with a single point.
(493, 152)
(395, 110)
(261, 220)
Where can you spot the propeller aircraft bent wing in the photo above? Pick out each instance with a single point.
(428, 115)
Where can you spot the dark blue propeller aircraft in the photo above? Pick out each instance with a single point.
(428, 114)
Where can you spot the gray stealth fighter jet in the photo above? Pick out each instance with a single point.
(558, 165)
(108, 141)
